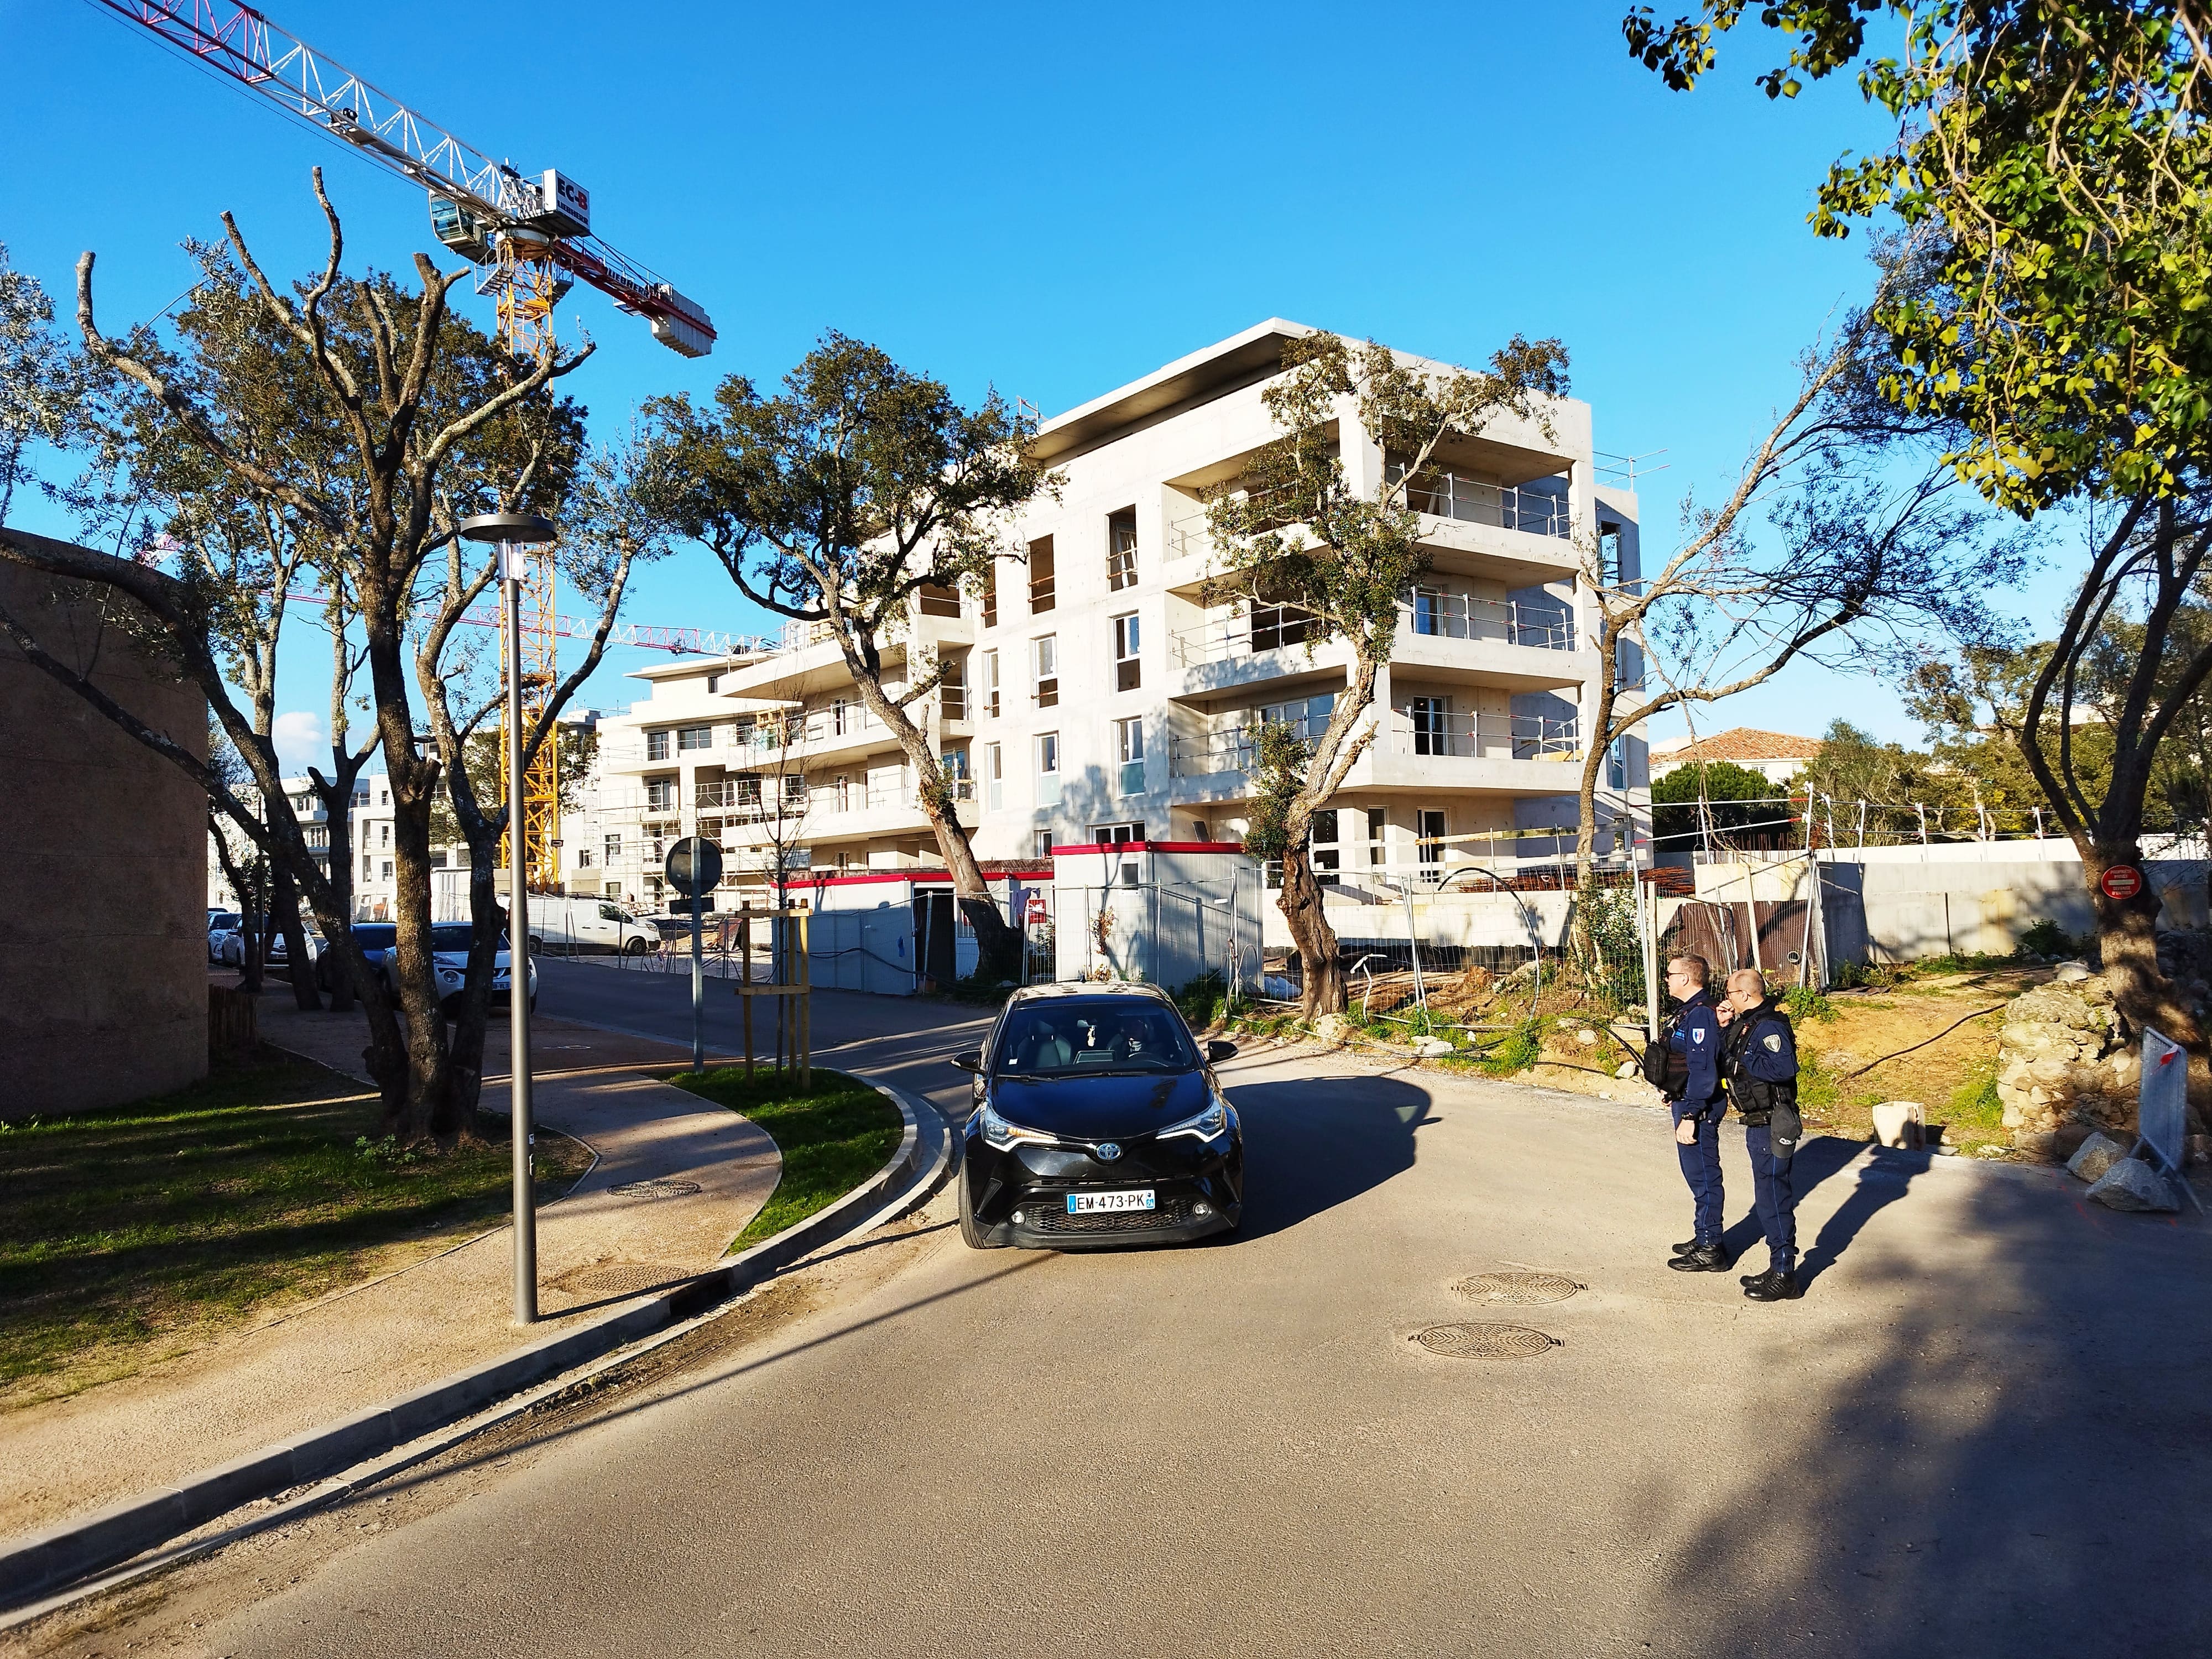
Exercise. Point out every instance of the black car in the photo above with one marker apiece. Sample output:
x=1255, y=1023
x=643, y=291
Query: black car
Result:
x=374, y=937
x=1097, y=1122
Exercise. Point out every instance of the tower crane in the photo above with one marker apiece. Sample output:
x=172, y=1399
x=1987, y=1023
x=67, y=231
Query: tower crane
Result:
x=528, y=236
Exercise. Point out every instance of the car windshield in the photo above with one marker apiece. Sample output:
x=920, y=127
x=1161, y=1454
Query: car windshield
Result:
x=375, y=936
x=451, y=936
x=1064, y=1039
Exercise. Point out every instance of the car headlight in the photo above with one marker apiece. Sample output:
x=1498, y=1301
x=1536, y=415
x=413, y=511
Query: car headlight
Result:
x=1001, y=1135
x=1209, y=1125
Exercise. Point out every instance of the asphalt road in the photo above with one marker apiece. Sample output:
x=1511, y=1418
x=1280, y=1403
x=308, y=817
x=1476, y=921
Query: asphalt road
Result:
x=896, y=1040
x=1983, y=1432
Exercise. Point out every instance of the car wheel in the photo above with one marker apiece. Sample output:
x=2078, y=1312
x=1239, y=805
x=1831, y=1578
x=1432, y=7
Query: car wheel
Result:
x=536, y=944
x=637, y=947
x=971, y=1230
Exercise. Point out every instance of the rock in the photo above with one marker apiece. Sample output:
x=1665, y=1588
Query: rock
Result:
x=2132, y=1184
x=2098, y=1155
x=1897, y=1123
x=1430, y=1046
x=2197, y=1149
x=1330, y=1028
x=2039, y=1144
x=1588, y=1039
x=2070, y=973
x=1629, y=1068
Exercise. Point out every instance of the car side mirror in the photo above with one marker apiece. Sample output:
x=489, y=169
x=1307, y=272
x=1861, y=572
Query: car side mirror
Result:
x=970, y=1061
x=1216, y=1051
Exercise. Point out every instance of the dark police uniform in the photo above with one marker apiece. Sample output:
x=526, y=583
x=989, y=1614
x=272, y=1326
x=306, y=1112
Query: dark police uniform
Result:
x=1696, y=1037
x=1761, y=1061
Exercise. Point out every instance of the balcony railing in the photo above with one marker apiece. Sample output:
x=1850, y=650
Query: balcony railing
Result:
x=1233, y=747
x=1470, y=500
x=1264, y=627
x=1463, y=616
x=1415, y=730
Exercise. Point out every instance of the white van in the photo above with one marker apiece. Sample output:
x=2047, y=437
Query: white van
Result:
x=588, y=923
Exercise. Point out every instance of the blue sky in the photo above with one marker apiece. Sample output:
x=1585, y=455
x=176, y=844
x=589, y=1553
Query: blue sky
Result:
x=1053, y=201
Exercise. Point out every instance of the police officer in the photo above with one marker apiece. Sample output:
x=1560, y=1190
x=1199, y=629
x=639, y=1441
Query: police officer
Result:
x=1759, y=1062
x=1694, y=1039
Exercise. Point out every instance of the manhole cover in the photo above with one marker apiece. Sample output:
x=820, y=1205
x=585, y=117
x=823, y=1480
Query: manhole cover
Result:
x=1524, y=1290
x=1484, y=1342
x=618, y=1279
x=655, y=1189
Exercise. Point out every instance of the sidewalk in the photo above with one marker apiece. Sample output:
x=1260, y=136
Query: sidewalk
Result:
x=599, y=1248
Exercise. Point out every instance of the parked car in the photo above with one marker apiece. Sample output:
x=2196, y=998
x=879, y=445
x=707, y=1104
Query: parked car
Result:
x=280, y=954
x=222, y=925
x=374, y=937
x=449, y=949
x=1097, y=1122
x=229, y=947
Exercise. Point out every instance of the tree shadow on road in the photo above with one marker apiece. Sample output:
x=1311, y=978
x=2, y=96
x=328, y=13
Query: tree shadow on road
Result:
x=1985, y=1439
x=1311, y=1144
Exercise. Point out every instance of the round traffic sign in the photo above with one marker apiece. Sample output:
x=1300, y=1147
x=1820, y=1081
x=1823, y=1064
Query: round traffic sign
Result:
x=694, y=867
x=2121, y=881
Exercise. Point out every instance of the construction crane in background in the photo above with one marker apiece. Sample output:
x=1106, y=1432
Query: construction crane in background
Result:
x=528, y=236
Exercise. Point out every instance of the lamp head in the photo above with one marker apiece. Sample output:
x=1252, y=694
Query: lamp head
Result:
x=520, y=529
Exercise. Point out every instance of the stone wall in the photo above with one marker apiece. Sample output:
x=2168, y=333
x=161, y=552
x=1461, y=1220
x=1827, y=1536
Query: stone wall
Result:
x=2063, y=1066
x=103, y=960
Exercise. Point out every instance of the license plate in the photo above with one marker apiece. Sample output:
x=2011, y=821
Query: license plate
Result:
x=1134, y=1197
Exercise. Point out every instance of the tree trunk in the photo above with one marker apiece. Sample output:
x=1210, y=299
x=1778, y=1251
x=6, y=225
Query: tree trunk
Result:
x=472, y=1024
x=998, y=943
x=284, y=905
x=2127, y=946
x=1300, y=905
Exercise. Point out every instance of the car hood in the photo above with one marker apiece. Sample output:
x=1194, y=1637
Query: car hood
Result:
x=1100, y=1108
x=458, y=961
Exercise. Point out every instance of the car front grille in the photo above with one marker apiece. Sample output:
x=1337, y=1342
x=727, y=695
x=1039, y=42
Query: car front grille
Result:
x=1050, y=1215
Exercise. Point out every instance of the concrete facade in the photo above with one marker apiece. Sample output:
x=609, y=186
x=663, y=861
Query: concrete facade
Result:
x=1095, y=696
x=103, y=988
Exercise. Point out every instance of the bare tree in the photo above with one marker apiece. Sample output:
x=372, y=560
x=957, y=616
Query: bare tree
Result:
x=609, y=520
x=1874, y=547
x=413, y=395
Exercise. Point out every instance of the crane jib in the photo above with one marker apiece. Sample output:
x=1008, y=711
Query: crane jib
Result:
x=484, y=199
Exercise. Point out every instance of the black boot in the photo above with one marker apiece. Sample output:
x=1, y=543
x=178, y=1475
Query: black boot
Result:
x=1773, y=1285
x=1701, y=1259
x=1685, y=1247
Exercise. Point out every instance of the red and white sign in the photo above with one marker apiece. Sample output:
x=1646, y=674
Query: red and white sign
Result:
x=2121, y=881
x=1036, y=917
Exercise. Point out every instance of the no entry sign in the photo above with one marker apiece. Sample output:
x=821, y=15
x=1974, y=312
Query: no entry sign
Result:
x=2121, y=881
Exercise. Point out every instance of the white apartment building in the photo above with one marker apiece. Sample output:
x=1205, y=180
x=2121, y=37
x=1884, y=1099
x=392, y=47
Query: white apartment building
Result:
x=1093, y=695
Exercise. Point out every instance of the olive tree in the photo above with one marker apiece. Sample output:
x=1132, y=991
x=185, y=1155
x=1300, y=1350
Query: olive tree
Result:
x=836, y=502
x=1293, y=531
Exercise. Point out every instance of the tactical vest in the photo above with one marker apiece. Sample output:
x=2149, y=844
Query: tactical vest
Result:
x=1754, y=1099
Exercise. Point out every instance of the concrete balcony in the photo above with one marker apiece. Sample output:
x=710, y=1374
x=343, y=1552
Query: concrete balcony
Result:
x=1416, y=751
x=1455, y=637
x=1268, y=647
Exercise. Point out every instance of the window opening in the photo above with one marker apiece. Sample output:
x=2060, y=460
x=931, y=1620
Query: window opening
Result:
x=1128, y=667
x=1042, y=591
x=1122, y=550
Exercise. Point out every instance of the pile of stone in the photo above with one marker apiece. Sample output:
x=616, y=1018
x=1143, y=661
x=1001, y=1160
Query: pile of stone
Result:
x=2064, y=1069
x=2119, y=1182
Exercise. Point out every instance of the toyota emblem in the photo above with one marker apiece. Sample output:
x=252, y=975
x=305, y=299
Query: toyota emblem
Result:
x=1108, y=1151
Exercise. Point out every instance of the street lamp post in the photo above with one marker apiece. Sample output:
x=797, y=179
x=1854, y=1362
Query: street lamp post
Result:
x=516, y=534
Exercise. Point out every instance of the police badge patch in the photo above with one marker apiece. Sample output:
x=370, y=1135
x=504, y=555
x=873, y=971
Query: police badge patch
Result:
x=1774, y=1043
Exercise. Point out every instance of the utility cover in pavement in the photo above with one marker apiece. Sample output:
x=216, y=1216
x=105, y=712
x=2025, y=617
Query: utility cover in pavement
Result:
x=1484, y=1342
x=1522, y=1289
x=655, y=1189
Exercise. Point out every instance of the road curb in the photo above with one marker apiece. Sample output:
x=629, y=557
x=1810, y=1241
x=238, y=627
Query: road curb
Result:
x=51, y=1560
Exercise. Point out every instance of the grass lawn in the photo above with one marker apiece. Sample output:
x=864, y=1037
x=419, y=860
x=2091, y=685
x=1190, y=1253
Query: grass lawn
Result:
x=832, y=1139
x=137, y=1232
